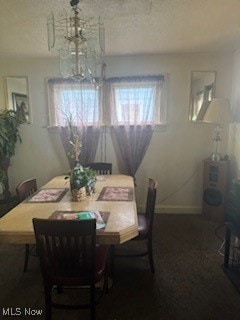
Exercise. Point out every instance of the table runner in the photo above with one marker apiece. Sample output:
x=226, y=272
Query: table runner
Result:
x=48, y=195
x=116, y=194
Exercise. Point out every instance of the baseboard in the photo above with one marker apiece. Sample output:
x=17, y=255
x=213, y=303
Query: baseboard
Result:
x=174, y=209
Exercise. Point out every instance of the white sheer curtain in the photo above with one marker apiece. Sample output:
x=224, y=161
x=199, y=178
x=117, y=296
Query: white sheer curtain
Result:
x=77, y=103
x=135, y=104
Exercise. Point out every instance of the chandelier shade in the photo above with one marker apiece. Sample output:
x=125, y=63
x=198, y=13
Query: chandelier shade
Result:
x=79, y=41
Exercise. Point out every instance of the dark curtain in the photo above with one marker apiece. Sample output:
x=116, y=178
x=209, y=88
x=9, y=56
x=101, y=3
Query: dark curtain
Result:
x=133, y=143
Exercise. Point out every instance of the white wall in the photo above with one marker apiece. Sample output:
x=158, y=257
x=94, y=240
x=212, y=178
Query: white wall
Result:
x=173, y=156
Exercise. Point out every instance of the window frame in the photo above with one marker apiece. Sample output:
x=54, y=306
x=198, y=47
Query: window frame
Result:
x=153, y=79
x=50, y=82
x=104, y=103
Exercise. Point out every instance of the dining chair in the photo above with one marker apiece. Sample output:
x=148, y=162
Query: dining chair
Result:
x=69, y=257
x=102, y=168
x=145, y=228
x=23, y=190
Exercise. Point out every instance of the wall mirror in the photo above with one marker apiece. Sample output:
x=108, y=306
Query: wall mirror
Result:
x=17, y=94
x=202, y=91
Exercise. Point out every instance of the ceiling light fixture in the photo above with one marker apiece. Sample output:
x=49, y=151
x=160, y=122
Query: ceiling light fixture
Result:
x=80, y=43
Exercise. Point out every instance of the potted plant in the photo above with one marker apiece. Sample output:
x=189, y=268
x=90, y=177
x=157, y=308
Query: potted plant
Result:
x=10, y=121
x=92, y=178
x=82, y=181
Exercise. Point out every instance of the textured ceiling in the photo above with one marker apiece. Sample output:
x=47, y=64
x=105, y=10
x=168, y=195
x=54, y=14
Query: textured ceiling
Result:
x=131, y=26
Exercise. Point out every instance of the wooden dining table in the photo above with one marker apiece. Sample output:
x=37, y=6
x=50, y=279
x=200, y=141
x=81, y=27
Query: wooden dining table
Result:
x=114, y=199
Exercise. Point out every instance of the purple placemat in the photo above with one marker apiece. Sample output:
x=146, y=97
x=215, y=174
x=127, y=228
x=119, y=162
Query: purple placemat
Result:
x=116, y=194
x=47, y=195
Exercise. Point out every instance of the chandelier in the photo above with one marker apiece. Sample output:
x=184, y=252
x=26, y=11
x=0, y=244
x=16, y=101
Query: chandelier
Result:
x=79, y=41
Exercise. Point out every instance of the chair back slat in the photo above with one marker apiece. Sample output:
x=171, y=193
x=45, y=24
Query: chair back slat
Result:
x=102, y=168
x=66, y=249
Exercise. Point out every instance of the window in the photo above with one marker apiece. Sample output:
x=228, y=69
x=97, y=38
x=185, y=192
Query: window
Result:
x=136, y=100
x=129, y=100
x=70, y=98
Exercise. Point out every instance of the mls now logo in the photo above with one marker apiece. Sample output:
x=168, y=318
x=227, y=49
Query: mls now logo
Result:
x=16, y=312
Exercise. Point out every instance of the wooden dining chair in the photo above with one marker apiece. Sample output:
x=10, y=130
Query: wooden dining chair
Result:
x=69, y=257
x=23, y=190
x=145, y=228
x=26, y=188
x=102, y=168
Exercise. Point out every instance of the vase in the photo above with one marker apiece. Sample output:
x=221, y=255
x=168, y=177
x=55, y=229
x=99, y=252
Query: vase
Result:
x=79, y=194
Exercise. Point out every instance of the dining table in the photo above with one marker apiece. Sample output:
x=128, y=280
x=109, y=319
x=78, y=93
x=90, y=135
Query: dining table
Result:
x=113, y=199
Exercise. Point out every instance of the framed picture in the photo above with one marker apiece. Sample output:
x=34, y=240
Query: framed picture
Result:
x=20, y=101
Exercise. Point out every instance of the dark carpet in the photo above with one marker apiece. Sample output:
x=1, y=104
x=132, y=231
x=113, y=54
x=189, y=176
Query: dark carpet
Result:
x=188, y=282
